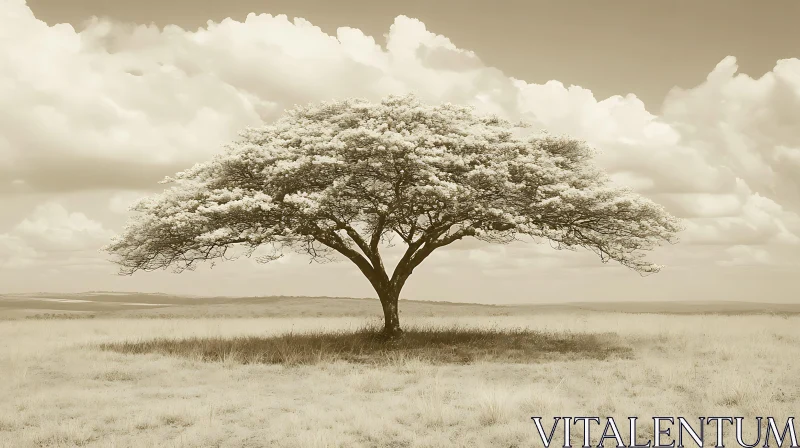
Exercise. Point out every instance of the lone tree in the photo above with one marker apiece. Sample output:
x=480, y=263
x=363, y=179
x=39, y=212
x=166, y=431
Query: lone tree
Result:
x=348, y=176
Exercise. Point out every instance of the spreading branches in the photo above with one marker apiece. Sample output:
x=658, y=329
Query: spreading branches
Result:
x=342, y=178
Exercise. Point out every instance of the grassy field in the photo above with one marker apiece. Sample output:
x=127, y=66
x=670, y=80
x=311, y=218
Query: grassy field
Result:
x=468, y=380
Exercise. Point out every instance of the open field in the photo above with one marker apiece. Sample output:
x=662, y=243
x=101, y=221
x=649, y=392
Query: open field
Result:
x=61, y=388
x=142, y=305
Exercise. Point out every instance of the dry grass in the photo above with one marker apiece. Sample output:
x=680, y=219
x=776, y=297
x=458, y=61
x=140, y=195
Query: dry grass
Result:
x=433, y=345
x=59, y=390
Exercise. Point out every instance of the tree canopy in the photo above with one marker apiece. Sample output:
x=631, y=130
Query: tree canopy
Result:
x=340, y=178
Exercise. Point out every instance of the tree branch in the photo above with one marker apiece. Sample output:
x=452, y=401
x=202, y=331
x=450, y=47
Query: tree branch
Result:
x=374, y=256
x=335, y=242
x=420, y=249
x=377, y=232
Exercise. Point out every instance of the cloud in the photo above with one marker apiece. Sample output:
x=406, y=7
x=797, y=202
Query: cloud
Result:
x=52, y=235
x=748, y=125
x=118, y=106
x=104, y=107
x=52, y=227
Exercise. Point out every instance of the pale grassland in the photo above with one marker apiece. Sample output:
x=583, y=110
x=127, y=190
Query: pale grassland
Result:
x=57, y=390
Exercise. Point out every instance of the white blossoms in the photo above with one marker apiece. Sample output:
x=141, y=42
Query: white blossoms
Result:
x=341, y=175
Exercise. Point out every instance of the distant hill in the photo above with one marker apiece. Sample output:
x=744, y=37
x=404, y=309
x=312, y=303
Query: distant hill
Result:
x=148, y=305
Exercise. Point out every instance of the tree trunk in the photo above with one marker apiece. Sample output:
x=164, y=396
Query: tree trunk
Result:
x=391, y=316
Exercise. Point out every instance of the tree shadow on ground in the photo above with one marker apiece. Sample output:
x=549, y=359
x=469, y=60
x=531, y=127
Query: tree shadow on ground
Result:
x=434, y=345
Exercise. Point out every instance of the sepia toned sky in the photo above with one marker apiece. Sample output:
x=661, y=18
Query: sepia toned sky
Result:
x=695, y=105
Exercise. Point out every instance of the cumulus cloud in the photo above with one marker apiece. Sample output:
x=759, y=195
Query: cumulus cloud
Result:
x=117, y=106
x=747, y=125
x=52, y=227
x=51, y=234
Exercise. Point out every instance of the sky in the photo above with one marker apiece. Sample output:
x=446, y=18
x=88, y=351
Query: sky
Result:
x=694, y=105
